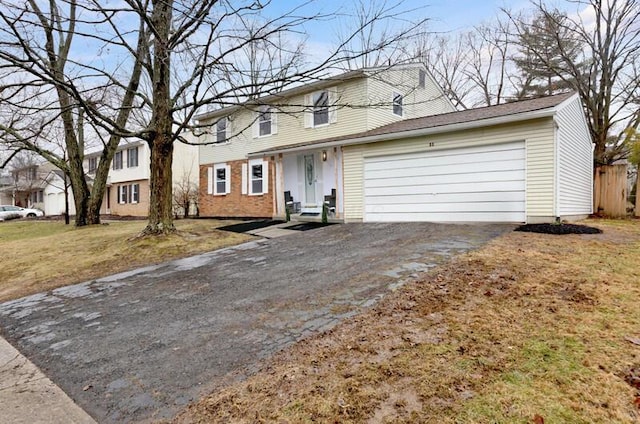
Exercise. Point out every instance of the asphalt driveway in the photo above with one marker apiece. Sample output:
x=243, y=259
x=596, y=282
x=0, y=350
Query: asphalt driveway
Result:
x=139, y=346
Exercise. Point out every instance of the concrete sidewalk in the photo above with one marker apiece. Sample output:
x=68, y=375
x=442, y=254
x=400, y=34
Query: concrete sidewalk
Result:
x=28, y=396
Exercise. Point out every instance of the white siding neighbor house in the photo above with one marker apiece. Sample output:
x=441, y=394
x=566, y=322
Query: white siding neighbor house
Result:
x=127, y=191
x=528, y=161
x=128, y=181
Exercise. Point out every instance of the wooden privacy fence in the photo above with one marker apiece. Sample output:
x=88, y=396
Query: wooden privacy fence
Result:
x=610, y=191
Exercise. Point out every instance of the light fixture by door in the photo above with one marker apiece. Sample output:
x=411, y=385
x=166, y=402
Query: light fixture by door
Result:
x=324, y=155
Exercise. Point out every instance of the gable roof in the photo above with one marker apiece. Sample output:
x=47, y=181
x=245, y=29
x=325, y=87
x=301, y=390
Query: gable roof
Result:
x=470, y=118
x=306, y=88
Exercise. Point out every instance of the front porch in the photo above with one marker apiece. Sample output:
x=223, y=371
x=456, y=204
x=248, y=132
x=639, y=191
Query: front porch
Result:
x=308, y=180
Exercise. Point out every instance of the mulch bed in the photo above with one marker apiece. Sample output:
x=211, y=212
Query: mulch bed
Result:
x=243, y=227
x=558, y=229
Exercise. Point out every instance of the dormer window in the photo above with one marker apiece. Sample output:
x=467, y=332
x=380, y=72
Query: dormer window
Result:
x=221, y=131
x=397, y=104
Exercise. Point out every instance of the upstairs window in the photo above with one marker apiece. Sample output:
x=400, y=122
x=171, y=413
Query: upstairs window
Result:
x=132, y=157
x=422, y=78
x=117, y=160
x=397, y=104
x=265, y=121
x=221, y=131
x=320, y=108
x=93, y=164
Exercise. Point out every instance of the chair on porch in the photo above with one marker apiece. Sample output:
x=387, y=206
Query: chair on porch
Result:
x=330, y=202
x=293, y=207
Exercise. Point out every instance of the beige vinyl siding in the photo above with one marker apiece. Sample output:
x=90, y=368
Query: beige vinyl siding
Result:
x=537, y=134
x=417, y=101
x=351, y=118
x=575, y=153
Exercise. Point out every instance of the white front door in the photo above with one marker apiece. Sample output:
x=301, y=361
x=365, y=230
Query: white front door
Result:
x=310, y=180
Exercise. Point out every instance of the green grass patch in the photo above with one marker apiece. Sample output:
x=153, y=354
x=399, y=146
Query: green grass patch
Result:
x=43, y=255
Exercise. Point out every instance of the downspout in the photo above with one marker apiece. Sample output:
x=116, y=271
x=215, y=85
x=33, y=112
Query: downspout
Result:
x=556, y=170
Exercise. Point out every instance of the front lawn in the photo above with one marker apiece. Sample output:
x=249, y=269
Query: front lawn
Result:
x=532, y=328
x=42, y=255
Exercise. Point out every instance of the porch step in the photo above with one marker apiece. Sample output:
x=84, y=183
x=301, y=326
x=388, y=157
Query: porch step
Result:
x=314, y=218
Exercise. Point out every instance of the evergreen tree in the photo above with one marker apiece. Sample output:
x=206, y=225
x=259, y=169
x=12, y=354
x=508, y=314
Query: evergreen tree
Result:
x=547, y=49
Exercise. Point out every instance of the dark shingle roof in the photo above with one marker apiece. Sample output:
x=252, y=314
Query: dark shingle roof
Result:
x=445, y=119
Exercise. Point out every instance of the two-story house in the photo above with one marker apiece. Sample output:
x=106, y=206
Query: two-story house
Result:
x=385, y=145
x=127, y=192
x=237, y=180
x=26, y=187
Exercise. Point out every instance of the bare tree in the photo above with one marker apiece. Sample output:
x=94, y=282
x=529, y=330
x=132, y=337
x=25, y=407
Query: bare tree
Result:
x=490, y=47
x=447, y=58
x=608, y=85
x=185, y=196
x=164, y=60
x=377, y=33
x=49, y=86
x=473, y=67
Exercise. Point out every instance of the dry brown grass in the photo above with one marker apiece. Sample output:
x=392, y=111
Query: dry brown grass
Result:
x=42, y=255
x=530, y=325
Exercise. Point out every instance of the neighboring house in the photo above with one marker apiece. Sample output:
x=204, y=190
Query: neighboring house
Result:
x=26, y=186
x=54, y=194
x=6, y=192
x=236, y=182
x=127, y=190
x=127, y=193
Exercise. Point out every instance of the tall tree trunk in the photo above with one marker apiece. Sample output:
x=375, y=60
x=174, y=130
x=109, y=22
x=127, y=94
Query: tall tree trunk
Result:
x=80, y=197
x=160, y=210
x=161, y=139
x=637, y=208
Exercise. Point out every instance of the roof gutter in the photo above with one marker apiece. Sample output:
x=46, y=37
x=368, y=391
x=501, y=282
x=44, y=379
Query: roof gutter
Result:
x=543, y=113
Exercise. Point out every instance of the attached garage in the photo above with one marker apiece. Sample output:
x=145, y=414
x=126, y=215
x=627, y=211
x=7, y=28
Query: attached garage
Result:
x=469, y=184
x=528, y=161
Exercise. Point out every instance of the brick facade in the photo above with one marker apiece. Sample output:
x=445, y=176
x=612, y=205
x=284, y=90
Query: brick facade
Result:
x=236, y=204
x=129, y=209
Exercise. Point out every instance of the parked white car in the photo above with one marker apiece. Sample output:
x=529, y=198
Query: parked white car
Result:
x=9, y=211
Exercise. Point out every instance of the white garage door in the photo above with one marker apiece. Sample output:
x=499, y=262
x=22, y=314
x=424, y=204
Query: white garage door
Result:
x=473, y=184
